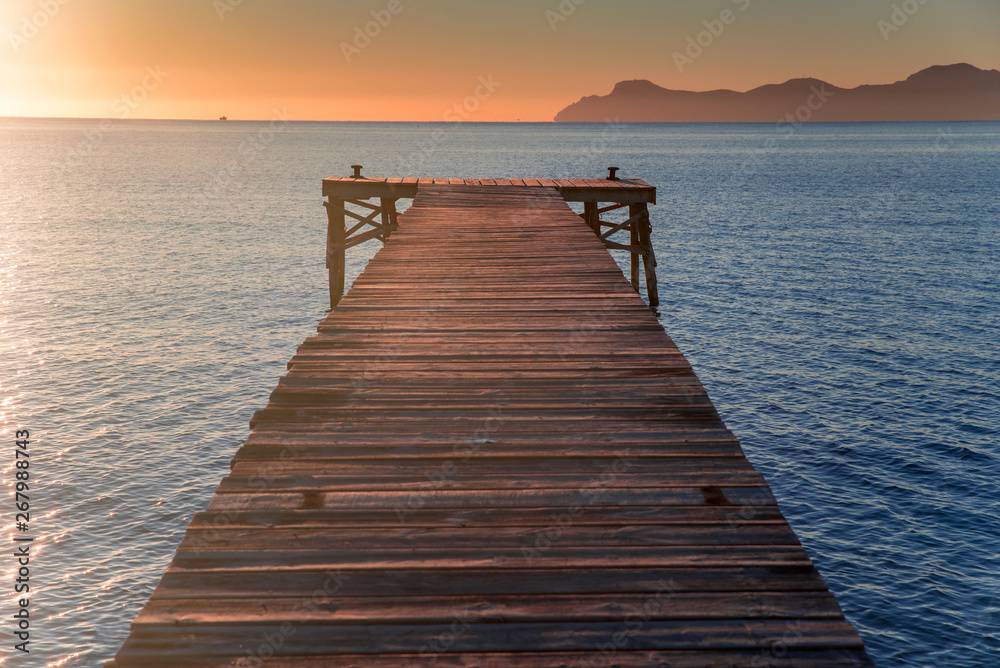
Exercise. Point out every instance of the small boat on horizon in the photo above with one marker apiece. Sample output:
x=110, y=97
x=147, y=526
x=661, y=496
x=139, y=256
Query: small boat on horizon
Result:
x=223, y=118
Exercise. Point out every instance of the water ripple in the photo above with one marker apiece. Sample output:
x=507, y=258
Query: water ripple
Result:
x=839, y=305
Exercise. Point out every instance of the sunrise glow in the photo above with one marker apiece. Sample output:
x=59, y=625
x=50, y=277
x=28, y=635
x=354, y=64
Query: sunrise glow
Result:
x=403, y=60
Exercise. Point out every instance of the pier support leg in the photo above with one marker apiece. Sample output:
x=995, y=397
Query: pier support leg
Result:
x=389, y=224
x=640, y=241
x=335, y=256
x=634, y=209
x=649, y=260
x=592, y=217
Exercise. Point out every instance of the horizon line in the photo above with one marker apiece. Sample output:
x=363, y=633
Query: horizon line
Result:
x=552, y=122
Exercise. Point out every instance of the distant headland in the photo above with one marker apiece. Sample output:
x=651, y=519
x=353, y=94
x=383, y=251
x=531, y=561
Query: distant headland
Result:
x=959, y=92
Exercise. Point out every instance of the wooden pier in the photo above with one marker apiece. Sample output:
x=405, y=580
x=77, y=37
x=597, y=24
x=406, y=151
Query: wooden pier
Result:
x=613, y=192
x=491, y=454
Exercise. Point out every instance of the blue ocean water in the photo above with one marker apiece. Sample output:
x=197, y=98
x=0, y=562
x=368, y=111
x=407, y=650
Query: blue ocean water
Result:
x=835, y=288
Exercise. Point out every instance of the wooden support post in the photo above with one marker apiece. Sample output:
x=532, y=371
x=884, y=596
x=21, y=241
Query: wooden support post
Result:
x=335, y=256
x=592, y=217
x=633, y=210
x=388, y=217
x=649, y=260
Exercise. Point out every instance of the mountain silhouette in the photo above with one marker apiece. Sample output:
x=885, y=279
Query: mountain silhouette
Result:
x=959, y=92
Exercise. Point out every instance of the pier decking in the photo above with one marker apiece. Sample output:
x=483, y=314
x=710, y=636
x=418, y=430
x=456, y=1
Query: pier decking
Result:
x=491, y=454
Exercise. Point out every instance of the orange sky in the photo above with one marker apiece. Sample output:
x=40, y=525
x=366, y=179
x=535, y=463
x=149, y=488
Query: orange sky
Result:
x=497, y=61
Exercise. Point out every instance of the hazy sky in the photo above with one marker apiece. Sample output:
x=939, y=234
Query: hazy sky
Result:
x=497, y=60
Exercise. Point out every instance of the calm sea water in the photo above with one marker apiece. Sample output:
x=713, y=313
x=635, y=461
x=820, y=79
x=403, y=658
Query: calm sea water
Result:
x=835, y=288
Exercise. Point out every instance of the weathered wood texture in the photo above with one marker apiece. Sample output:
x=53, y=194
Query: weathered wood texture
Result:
x=491, y=455
x=635, y=194
x=626, y=191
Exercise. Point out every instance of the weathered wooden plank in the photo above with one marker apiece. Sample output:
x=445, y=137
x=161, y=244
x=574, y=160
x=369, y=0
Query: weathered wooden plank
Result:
x=430, y=609
x=492, y=517
x=488, y=466
x=481, y=635
x=373, y=447
x=370, y=581
x=430, y=497
x=511, y=559
x=500, y=537
x=606, y=654
x=369, y=188
x=621, y=432
x=608, y=194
